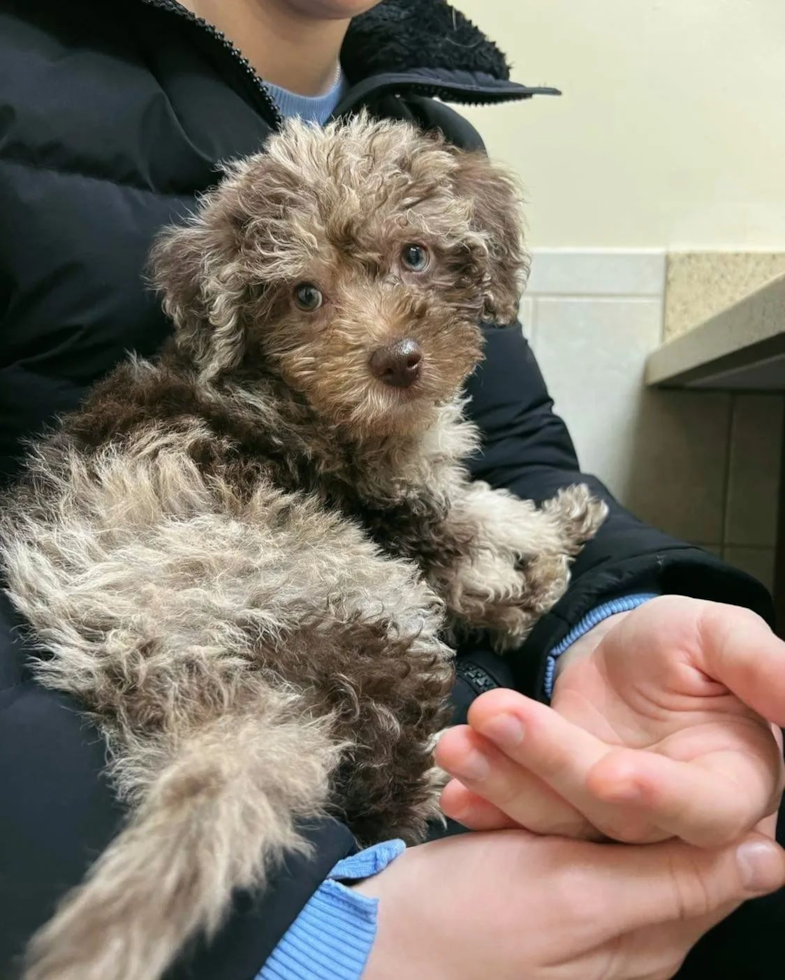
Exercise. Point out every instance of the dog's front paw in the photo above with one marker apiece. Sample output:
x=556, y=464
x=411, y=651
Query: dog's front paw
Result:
x=542, y=582
x=577, y=515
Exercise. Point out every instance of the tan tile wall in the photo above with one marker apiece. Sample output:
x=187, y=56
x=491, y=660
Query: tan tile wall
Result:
x=700, y=284
x=750, y=528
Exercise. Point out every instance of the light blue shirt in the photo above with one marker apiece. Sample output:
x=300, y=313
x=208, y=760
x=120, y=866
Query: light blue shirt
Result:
x=332, y=937
x=312, y=108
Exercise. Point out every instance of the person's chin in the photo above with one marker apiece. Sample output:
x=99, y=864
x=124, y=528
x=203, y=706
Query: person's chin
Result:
x=332, y=9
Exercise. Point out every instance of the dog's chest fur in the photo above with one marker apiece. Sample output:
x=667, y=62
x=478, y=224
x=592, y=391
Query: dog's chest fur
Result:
x=260, y=433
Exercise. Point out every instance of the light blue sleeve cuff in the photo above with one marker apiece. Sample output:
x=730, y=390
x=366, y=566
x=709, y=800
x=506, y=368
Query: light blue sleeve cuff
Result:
x=589, y=621
x=332, y=937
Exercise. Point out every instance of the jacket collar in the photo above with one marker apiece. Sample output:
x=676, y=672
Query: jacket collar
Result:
x=431, y=46
x=424, y=46
x=398, y=36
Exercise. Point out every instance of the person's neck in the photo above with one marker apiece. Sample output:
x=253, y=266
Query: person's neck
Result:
x=286, y=47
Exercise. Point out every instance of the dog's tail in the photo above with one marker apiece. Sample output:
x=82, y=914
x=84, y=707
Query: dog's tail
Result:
x=213, y=820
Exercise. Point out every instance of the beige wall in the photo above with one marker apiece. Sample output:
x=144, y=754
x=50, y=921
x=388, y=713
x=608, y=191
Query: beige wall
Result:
x=671, y=129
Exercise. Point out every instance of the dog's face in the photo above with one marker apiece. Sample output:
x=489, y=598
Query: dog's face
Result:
x=355, y=261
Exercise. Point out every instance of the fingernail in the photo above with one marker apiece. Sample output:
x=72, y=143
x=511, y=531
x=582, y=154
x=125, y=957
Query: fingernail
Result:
x=473, y=766
x=505, y=730
x=761, y=865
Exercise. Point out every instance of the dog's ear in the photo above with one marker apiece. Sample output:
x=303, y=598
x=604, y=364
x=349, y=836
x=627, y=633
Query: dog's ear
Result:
x=198, y=268
x=496, y=217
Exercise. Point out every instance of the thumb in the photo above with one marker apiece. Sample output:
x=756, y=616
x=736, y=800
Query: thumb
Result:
x=657, y=883
x=740, y=650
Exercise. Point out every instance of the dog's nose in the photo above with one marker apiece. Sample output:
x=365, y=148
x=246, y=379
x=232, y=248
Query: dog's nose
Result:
x=397, y=364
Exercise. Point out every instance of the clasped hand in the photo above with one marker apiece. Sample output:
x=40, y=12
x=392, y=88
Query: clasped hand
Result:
x=660, y=727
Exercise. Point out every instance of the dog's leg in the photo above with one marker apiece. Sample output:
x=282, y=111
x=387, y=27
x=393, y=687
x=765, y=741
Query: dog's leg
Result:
x=517, y=564
x=216, y=816
x=576, y=515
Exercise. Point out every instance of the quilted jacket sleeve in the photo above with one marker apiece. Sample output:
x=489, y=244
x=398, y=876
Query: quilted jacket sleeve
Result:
x=527, y=449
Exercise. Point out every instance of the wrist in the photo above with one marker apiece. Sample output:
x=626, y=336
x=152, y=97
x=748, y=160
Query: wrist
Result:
x=400, y=924
x=586, y=629
x=584, y=647
x=334, y=934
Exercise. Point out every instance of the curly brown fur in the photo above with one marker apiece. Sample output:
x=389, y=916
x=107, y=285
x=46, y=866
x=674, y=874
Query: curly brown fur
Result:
x=245, y=557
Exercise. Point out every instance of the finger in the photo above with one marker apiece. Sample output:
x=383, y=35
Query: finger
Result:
x=646, y=885
x=739, y=649
x=660, y=950
x=560, y=754
x=472, y=811
x=489, y=773
x=709, y=803
x=768, y=826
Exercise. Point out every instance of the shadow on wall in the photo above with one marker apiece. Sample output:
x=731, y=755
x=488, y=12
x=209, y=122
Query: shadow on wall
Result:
x=705, y=467
x=676, y=475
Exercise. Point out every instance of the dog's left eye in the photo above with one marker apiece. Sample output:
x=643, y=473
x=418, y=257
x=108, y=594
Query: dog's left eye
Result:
x=308, y=297
x=415, y=257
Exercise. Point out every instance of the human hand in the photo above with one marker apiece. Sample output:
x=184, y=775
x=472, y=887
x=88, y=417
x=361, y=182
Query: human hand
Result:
x=513, y=904
x=659, y=727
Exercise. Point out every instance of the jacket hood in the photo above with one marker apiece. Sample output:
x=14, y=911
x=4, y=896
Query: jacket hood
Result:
x=404, y=35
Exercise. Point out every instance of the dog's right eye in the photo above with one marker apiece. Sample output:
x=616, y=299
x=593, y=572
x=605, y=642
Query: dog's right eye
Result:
x=415, y=257
x=308, y=297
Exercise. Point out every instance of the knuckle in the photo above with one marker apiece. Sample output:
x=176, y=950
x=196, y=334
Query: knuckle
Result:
x=717, y=625
x=502, y=792
x=731, y=830
x=691, y=891
x=733, y=823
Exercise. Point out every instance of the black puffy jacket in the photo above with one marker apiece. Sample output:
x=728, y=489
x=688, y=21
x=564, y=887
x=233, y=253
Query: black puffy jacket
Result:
x=113, y=116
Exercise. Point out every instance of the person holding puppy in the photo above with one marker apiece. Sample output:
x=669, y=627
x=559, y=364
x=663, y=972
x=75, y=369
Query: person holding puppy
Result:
x=114, y=121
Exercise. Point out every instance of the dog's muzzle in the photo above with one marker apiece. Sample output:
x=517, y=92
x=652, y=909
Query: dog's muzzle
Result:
x=397, y=365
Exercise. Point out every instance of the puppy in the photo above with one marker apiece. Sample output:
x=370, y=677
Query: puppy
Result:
x=246, y=558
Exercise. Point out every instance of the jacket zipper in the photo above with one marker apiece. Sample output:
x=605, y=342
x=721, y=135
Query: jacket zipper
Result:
x=271, y=110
